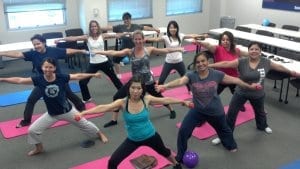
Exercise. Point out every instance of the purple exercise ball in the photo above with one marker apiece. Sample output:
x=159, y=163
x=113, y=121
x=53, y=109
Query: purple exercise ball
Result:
x=190, y=159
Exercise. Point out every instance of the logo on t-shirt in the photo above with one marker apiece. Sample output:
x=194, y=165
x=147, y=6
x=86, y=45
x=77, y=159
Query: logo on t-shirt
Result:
x=204, y=92
x=52, y=90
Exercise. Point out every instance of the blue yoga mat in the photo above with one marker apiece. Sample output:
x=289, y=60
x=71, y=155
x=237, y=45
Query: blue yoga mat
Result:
x=292, y=165
x=21, y=96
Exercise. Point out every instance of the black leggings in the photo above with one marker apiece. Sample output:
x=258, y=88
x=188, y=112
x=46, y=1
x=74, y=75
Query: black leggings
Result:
x=129, y=146
x=179, y=67
x=107, y=68
x=36, y=94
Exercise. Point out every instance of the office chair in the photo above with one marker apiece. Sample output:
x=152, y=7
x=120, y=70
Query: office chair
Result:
x=244, y=29
x=267, y=48
x=290, y=27
x=52, y=35
x=72, y=60
x=243, y=41
x=271, y=24
x=149, y=25
x=296, y=83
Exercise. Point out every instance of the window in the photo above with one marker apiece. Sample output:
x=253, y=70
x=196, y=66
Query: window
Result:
x=176, y=7
x=21, y=14
x=137, y=9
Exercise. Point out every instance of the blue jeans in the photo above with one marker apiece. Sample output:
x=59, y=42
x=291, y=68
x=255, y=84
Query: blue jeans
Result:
x=237, y=101
x=192, y=119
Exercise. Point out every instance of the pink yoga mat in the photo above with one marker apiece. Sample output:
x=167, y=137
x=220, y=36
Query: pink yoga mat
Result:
x=162, y=162
x=9, y=130
x=156, y=73
x=179, y=93
x=206, y=131
x=190, y=47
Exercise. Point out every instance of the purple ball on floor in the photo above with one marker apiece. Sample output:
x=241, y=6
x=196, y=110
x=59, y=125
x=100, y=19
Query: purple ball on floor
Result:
x=190, y=159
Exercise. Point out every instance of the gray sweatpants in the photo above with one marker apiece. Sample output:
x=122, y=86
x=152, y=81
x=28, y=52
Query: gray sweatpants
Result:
x=45, y=121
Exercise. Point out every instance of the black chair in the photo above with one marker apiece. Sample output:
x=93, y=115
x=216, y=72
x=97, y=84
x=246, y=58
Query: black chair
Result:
x=271, y=24
x=149, y=25
x=243, y=41
x=244, y=29
x=267, y=48
x=290, y=27
x=275, y=75
x=296, y=83
x=52, y=35
x=72, y=61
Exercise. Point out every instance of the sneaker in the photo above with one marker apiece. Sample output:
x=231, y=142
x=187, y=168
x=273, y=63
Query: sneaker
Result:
x=81, y=107
x=87, y=101
x=172, y=114
x=268, y=130
x=216, y=141
x=200, y=124
x=177, y=166
x=22, y=123
x=119, y=76
x=243, y=109
x=110, y=123
x=87, y=143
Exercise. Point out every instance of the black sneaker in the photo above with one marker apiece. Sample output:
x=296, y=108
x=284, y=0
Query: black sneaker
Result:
x=243, y=109
x=110, y=123
x=177, y=166
x=172, y=114
x=87, y=143
x=80, y=107
x=23, y=123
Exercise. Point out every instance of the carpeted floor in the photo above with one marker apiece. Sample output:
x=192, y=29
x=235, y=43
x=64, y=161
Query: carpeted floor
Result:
x=257, y=150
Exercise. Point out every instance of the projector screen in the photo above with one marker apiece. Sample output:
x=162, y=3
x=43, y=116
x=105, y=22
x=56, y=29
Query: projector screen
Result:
x=291, y=5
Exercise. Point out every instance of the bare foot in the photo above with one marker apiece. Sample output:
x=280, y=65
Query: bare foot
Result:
x=103, y=138
x=38, y=149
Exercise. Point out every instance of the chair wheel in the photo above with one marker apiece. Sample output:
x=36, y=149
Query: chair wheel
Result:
x=286, y=102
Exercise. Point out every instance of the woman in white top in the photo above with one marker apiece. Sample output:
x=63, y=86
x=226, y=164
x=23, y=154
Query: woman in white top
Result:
x=95, y=41
x=173, y=60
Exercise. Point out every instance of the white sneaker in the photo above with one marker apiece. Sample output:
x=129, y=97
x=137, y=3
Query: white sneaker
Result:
x=216, y=141
x=119, y=76
x=268, y=130
x=122, y=64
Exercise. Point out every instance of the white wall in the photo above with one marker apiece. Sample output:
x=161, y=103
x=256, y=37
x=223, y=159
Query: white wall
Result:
x=251, y=11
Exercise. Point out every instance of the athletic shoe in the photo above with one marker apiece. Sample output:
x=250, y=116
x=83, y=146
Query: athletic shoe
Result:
x=88, y=101
x=110, y=123
x=268, y=130
x=216, y=141
x=23, y=123
x=172, y=114
x=177, y=166
x=243, y=109
x=119, y=76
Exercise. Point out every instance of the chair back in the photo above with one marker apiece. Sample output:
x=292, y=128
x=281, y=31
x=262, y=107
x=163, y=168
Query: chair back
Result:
x=290, y=27
x=265, y=33
x=244, y=29
x=75, y=32
x=52, y=35
x=272, y=24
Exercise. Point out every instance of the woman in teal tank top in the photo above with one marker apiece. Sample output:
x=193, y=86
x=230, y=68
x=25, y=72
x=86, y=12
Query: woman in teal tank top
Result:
x=140, y=130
